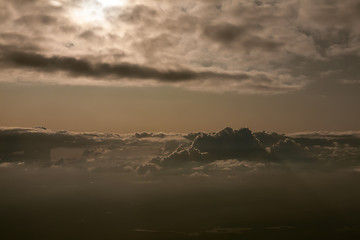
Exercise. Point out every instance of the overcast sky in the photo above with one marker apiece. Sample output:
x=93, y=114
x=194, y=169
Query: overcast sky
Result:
x=180, y=66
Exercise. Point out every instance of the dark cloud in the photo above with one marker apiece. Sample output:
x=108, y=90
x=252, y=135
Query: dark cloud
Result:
x=35, y=145
x=269, y=139
x=99, y=181
x=289, y=150
x=136, y=14
x=42, y=19
x=243, y=150
x=205, y=153
x=82, y=67
x=225, y=33
x=226, y=144
x=229, y=143
x=147, y=135
x=182, y=156
x=231, y=36
x=260, y=46
x=89, y=35
x=98, y=151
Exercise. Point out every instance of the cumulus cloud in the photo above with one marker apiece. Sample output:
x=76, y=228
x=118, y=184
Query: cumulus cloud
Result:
x=288, y=149
x=96, y=151
x=260, y=183
x=224, y=152
x=241, y=150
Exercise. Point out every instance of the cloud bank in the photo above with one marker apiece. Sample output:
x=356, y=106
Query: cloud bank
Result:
x=157, y=153
x=229, y=184
x=256, y=47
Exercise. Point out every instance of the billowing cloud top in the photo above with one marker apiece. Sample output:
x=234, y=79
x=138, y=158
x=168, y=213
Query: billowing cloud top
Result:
x=153, y=153
x=241, y=46
x=164, y=186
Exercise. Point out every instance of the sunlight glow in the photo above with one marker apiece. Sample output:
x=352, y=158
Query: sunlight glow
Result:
x=91, y=11
x=109, y=3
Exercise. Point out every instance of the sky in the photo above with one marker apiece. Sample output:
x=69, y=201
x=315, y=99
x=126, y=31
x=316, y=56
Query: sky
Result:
x=180, y=66
x=192, y=119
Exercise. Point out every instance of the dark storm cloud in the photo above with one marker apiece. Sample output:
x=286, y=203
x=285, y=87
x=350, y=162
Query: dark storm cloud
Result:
x=83, y=67
x=229, y=143
x=269, y=139
x=239, y=144
x=226, y=144
x=289, y=150
x=243, y=150
x=151, y=154
x=98, y=181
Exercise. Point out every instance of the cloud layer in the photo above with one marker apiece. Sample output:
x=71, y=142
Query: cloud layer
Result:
x=196, y=153
x=229, y=184
x=245, y=46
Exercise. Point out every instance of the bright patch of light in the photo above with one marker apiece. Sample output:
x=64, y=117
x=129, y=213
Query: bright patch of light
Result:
x=55, y=3
x=92, y=11
x=109, y=3
x=88, y=12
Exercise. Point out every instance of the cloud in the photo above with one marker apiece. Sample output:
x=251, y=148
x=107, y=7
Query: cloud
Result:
x=41, y=19
x=82, y=67
x=150, y=154
x=38, y=144
x=230, y=165
x=218, y=47
x=233, y=36
x=146, y=135
x=135, y=14
x=241, y=150
x=289, y=150
x=94, y=178
x=269, y=139
x=229, y=143
x=206, y=153
x=78, y=67
x=226, y=144
x=95, y=151
x=252, y=47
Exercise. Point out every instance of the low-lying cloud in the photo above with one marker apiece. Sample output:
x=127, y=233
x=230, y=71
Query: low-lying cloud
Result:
x=158, y=186
x=153, y=153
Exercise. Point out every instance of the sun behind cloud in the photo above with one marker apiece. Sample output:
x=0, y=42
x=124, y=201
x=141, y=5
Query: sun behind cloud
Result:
x=109, y=3
x=92, y=11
